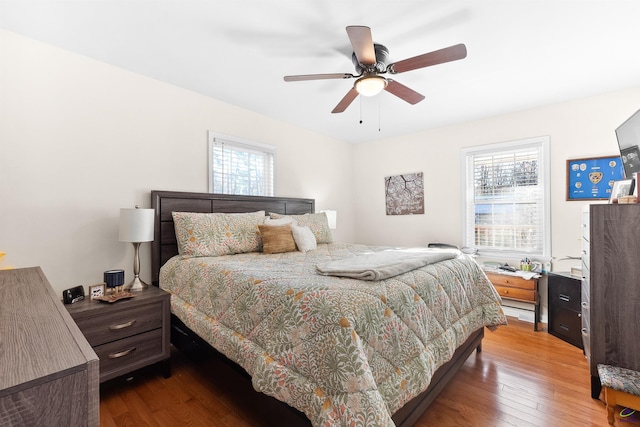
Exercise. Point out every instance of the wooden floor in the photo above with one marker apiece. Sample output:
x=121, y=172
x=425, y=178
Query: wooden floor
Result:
x=521, y=378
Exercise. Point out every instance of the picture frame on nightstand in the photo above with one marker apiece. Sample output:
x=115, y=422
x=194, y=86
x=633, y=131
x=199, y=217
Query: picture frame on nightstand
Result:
x=96, y=291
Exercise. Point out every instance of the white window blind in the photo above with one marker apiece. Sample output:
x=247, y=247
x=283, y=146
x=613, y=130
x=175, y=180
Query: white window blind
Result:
x=506, y=198
x=240, y=167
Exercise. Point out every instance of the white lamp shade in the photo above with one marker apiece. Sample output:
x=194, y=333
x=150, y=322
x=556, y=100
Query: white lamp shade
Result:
x=332, y=218
x=136, y=225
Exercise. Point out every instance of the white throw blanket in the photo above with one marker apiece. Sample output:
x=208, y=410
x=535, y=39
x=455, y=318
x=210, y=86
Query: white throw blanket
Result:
x=385, y=264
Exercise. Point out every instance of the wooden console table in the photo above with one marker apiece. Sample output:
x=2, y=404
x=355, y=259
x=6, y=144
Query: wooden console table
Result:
x=48, y=371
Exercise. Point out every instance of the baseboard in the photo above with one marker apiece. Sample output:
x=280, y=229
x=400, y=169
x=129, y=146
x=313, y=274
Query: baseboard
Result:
x=521, y=314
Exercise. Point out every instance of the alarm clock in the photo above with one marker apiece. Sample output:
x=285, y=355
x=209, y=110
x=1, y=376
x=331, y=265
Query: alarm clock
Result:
x=71, y=295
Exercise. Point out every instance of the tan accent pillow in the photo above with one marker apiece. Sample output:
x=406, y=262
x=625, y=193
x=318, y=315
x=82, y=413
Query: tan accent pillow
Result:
x=277, y=239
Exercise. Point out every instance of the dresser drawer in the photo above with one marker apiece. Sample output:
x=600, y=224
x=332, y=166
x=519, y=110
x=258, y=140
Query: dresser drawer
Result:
x=125, y=355
x=586, y=344
x=586, y=320
x=586, y=261
x=585, y=291
x=511, y=281
x=121, y=323
x=516, y=293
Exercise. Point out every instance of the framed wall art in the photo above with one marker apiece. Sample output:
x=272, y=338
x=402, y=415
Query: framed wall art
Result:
x=592, y=178
x=404, y=194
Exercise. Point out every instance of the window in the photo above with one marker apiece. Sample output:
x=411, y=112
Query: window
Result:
x=506, y=198
x=240, y=167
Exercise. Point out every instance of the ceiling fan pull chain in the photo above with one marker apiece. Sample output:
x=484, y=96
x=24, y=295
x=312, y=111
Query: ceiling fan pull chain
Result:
x=360, y=108
x=379, y=115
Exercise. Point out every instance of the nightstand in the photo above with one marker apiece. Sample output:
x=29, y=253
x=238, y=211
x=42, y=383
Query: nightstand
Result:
x=518, y=289
x=127, y=334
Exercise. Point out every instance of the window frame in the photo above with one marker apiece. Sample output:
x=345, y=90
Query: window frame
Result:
x=541, y=143
x=239, y=143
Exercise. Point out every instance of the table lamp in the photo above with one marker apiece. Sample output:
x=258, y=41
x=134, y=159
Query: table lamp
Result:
x=136, y=226
x=332, y=217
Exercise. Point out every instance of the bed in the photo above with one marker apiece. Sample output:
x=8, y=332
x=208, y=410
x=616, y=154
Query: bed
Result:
x=343, y=351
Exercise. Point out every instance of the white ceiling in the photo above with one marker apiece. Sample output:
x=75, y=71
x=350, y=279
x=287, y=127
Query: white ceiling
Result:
x=521, y=54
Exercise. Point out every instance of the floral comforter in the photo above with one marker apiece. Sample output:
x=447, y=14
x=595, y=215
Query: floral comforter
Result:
x=343, y=351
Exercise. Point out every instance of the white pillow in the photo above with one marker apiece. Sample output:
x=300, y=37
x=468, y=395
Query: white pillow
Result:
x=318, y=223
x=304, y=238
x=279, y=221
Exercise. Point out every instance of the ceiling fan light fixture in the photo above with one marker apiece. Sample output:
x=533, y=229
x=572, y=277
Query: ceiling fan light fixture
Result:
x=370, y=85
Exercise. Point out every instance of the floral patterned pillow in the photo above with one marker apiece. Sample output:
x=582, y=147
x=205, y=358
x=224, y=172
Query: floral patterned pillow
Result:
x=215, y=234
x=318, y=224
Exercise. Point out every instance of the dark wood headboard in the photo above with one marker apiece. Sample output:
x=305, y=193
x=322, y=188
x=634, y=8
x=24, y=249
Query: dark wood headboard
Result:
x=164, y=244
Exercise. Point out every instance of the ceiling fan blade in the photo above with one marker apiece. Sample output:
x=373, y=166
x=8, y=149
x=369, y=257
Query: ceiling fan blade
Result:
x=318, y=77
x=362, y=43
x=346, y=101
x=451, y=53
x=403, y=92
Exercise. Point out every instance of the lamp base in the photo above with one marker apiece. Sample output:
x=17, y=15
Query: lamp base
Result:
x=136, y=285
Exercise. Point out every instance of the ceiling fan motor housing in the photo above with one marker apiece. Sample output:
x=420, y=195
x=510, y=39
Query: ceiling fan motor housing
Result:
x=382, y=59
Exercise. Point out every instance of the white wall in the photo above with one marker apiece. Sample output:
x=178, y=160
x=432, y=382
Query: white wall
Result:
x=80, y=139
x=577, y=129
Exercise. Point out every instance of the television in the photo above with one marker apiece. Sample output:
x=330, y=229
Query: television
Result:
x=628, y=134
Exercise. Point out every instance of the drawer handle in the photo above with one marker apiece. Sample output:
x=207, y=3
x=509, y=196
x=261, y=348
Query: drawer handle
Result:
x=122, y=353
x=564, y=298
x=122, y=325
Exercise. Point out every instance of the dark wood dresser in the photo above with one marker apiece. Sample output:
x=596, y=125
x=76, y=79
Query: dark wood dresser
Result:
x=128, y=334
x=48, y=371
x=612, y=301
x=565, y=316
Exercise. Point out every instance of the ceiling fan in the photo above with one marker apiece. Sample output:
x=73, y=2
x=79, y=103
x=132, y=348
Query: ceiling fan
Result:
x=370, y=60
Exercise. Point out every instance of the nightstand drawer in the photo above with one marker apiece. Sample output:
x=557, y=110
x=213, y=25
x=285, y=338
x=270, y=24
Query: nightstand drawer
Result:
x=512, y=282
x=121, y=323
x=130, y=353
x=516, y=293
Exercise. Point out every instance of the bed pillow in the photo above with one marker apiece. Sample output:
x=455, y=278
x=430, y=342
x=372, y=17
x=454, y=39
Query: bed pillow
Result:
x=277, y=239
x=318, y=224
x=216, y=234
x=304, y=238
x=279, y=221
